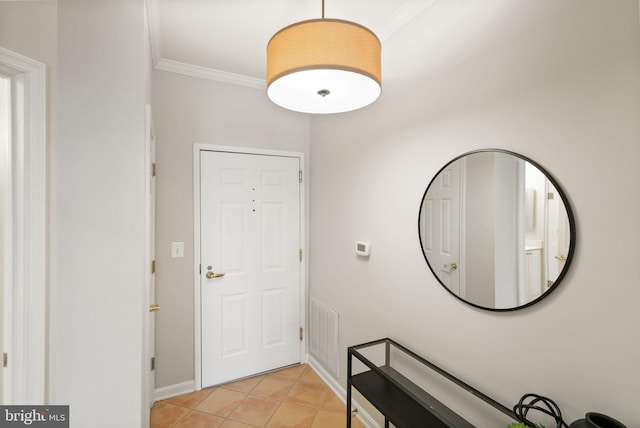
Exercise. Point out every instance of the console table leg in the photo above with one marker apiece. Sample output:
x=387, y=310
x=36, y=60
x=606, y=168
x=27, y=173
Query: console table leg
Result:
x=349, y=415
x=386, y=422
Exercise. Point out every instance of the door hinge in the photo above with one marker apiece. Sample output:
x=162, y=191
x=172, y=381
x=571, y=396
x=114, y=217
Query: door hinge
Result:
x=153, y=363
x=5, y=359
x=550, y=195
x=153, y=266
x=301, y=334
x=300, y=176
x=153, y=169
x=200, y=269
x=300, y=255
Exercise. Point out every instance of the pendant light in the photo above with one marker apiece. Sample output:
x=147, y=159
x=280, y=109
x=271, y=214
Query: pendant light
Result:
x=323, y=66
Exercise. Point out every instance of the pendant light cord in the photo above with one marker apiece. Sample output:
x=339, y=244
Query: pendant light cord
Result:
x=322, y=9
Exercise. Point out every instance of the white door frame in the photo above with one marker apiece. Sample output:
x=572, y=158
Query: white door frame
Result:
x=149, y=201
x=26, y=339
x=197, y=148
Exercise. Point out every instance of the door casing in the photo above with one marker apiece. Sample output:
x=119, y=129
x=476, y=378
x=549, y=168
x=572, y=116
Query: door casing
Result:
x=196, y=246
x=25, y=327
x=149, y=202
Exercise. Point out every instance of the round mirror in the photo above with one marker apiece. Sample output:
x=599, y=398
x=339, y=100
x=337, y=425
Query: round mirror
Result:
x=496, y=230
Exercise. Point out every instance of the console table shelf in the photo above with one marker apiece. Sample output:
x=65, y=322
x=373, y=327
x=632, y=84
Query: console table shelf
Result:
x=400, y=400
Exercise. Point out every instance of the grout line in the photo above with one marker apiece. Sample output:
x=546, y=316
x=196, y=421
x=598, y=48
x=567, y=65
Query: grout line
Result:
x=297, y=381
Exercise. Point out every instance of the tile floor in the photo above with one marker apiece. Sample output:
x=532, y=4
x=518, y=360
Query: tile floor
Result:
x=294, y=397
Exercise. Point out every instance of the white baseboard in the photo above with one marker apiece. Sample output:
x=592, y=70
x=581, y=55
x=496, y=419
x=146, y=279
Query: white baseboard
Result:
x=335, y=386
x=174, y=390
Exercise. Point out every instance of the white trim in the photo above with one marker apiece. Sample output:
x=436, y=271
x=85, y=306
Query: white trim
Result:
x=197, y=320
x=210, y=74
x=463, y=228
x=332, y=383
x=401, y=17
x=29, y=276
x=197, y=148
x=174, y=390
x=155, y=37
x=148, y=391
x=409, y=10
x=6, y=233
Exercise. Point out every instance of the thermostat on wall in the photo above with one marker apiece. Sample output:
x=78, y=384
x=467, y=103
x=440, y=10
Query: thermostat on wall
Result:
x=363, y=248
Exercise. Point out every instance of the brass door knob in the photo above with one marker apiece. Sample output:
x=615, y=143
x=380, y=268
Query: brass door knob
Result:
x=154, y=308
x=452, y=266
x=561, y=257
x=210, y=275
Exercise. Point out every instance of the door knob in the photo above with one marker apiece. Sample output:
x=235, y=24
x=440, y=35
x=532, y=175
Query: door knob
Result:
x=561, y=257
x=210, y=275
x=154, y=308
x=451, y=267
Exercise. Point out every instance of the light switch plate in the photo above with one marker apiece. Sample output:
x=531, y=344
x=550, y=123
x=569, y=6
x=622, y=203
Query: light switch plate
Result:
x=177, y=249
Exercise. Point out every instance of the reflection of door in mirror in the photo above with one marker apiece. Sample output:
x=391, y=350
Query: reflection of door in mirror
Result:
x=557, y=235
x=440, y=228
x=493, y=238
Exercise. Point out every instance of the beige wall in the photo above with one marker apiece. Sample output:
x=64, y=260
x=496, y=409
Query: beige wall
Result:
x=97, y=215
x=190, y=111
x=95, y=144
x=30, y=28
x=558, y=82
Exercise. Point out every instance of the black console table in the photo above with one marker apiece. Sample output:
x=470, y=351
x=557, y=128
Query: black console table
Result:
x=400, y=400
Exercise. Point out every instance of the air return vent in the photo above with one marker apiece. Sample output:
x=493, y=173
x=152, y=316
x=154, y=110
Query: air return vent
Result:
x=324, y=336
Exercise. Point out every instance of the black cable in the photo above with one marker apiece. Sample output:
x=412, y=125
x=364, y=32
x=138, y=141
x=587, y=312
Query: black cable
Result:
x=551, y=408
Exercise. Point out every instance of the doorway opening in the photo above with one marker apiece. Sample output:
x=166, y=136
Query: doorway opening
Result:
x=23, y=228
x=5, y=224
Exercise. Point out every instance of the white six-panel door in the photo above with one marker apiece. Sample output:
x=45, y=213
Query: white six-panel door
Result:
x=558, y=238
x=440, y=227
x=250, y=280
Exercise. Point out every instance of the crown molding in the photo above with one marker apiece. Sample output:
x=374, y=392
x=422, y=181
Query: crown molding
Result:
x=153, y=24
x=210, y=74
x=401, y=17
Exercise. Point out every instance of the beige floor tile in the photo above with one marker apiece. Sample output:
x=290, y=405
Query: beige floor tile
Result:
x=165, y=415
x=190, y=400
x=234, y=424
x=221, y=402
x=244, y=385
x=294, y=397
x=255, y=411
x=307, y=394
x=197, y=419
x=332, y=403
x=292, y=416
x=293, y=372
x=309, y=375
x=274, y=387
x=326, y=419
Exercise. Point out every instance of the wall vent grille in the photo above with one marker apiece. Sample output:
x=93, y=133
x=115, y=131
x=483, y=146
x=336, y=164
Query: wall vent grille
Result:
x=324, y=343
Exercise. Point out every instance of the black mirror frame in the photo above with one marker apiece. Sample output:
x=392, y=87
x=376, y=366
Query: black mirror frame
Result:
x=570, y=216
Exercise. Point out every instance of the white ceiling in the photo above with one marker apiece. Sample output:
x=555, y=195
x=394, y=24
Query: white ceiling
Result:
x=226, y=40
